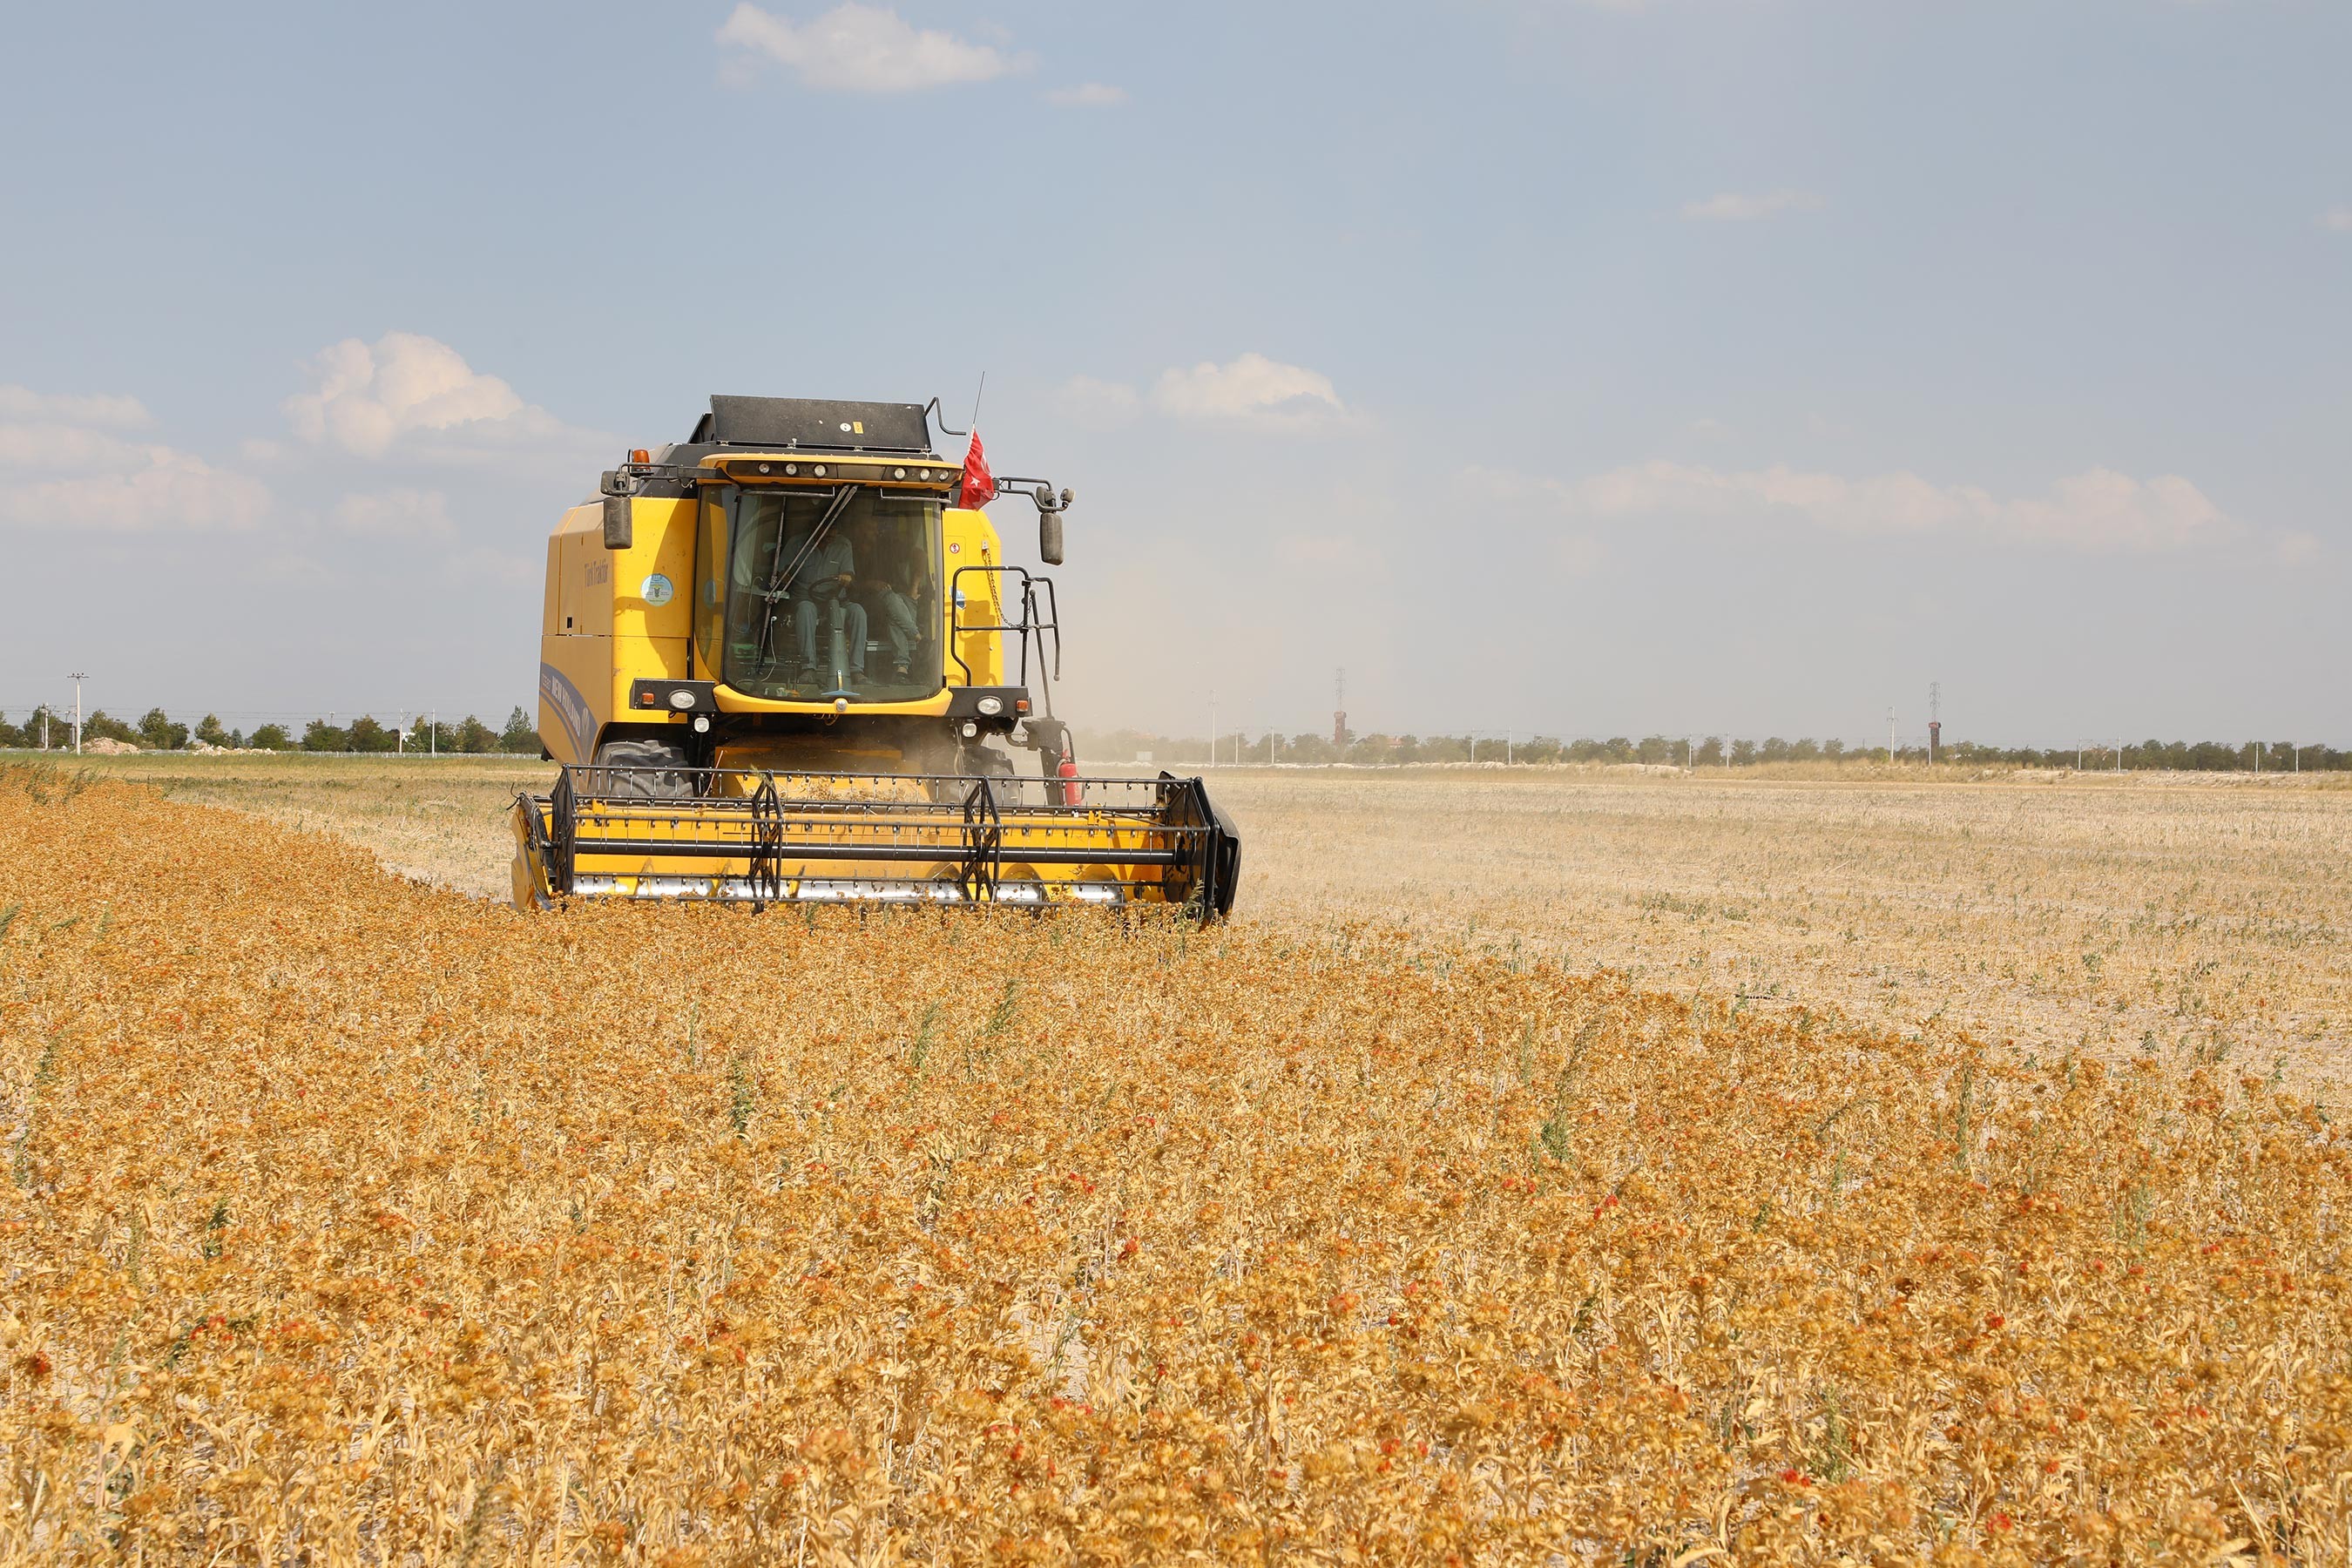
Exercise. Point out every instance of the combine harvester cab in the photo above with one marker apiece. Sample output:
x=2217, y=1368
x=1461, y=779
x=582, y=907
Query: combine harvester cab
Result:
x=785, y=661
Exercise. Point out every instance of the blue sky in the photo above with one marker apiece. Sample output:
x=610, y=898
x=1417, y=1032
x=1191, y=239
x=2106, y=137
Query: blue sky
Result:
x=1715, y=366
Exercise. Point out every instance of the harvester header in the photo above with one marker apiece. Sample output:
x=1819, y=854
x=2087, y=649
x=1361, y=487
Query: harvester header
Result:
x=784, y=660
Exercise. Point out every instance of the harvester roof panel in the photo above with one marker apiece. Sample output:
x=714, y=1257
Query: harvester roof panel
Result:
x=820, y=423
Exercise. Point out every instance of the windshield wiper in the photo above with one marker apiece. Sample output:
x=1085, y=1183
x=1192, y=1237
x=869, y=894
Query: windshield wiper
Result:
x=778, y=578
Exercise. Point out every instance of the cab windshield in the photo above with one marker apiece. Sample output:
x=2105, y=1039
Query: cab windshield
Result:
x=826, y=594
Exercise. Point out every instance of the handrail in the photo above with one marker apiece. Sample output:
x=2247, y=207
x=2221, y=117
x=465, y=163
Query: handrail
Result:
x=1029, y=624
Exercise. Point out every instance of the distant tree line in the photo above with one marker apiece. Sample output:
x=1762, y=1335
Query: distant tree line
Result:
x=1710, y=752
x=157, y=731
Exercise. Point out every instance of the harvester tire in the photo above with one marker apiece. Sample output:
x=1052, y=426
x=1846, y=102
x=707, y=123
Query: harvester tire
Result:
x=985, y=762
x=648, y=770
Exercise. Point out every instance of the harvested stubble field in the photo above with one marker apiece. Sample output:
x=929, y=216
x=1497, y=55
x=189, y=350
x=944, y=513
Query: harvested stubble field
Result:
x=351, y=1220
x=2196, y=918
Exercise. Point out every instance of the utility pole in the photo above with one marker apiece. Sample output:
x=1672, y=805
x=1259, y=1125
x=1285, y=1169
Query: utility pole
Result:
x=77, y=678
x=1890, y=737
x=1213, y=726
x=432, y=735
x=1339, y=709
x=1507, y=753
x=1935, y=719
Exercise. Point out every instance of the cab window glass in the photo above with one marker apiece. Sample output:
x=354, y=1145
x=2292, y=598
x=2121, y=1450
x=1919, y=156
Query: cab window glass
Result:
x=827, y=597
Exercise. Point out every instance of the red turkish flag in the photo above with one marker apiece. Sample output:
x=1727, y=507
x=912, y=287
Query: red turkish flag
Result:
x=978, y=484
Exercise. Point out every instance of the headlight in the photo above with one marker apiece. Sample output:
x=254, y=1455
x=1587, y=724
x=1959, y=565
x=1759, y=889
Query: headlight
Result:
x=990, y=705
x=969, y=729
x=681, y=699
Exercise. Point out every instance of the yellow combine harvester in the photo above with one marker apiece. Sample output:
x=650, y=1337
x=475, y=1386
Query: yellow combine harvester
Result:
x=781, y=661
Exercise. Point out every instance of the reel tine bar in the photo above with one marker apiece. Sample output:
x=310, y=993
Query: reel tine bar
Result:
x=563, y=814
x=766, y=869
x=984, y=827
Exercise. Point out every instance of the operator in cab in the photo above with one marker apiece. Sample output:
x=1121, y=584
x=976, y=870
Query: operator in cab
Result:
x=823, y=607
x=889, y=588
x=781, y=559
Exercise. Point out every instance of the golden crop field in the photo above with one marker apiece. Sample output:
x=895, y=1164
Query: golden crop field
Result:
x=351, y=1219
x=2205, y=919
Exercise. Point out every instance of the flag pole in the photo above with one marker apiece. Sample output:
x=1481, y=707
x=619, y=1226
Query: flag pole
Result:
x=972, y=453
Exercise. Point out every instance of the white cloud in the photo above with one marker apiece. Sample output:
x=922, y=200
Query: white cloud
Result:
x=1095, y=405
x=50, y=444
x=396, y=514
x=1088, y=95
x=856, y=48
x=419, y=395
x=2336, y=220
x=170, y=490
x=70, y=467
x=1732, y=207
x=1252, y=388
x=103, y=409
x=2098, y=511
x=1579, y=555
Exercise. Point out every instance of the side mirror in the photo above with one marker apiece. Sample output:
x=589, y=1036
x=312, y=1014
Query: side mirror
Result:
x=1049, y=537
x=618, y=533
